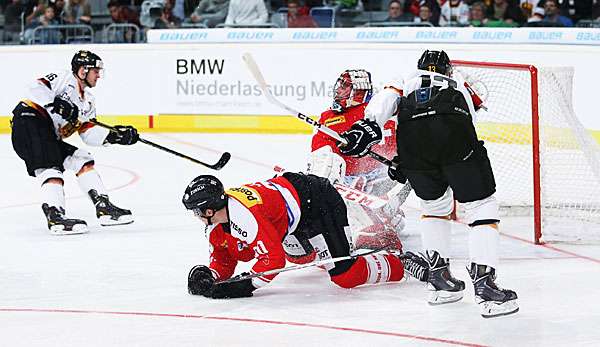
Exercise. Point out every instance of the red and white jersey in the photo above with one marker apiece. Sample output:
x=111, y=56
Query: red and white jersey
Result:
x=340, y=122
x=260, y=216
x=40, y=95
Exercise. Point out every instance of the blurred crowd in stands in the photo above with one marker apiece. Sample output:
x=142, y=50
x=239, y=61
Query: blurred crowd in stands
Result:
x=70, y=21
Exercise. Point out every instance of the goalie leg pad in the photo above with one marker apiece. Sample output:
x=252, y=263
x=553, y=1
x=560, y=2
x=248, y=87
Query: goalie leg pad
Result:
x=324, y=163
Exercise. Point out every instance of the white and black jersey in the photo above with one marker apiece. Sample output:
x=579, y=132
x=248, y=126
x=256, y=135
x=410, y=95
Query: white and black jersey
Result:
x=41, y=94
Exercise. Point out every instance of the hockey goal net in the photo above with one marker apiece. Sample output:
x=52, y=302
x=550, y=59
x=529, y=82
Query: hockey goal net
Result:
x=546, y=164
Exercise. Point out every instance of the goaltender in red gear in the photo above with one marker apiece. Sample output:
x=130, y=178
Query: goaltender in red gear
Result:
x=250, y=222
x=370, y=228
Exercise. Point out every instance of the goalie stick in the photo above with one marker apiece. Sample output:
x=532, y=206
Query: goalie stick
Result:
x=255, y=71
x=216, y=166
x=297, y=267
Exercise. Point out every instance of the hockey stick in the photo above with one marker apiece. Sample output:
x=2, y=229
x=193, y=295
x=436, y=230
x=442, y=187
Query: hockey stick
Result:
x=255, y=71
x=298, y=267
x=216, y=166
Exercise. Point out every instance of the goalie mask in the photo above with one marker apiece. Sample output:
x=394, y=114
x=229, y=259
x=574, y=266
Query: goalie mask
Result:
x=352, y=88
x=435, y=61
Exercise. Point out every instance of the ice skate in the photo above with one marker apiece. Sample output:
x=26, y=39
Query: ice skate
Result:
x=493, y=301
x=443, y=288
x=107, y=213
x=415, y=266
x=59, y=225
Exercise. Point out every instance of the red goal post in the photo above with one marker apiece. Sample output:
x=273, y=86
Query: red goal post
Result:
x=535, y=142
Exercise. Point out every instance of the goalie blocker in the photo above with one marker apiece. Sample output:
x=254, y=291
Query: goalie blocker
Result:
x=250, y=222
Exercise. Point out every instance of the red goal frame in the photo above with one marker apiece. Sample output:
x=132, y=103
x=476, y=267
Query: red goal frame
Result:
x=535, y=132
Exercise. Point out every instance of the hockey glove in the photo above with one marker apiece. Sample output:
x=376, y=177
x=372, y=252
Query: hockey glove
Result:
x=200, y=281
x=123, y=135
x=230, y=290
x=360, y=138
x=66, y=109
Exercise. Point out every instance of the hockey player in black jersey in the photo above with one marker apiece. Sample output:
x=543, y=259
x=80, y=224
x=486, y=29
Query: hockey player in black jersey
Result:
x=56, y=106
x=440, y=155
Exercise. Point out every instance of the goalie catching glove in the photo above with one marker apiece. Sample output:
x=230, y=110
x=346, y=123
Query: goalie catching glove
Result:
x=66, y=109
x=122, y=135
x=363, y=135
x=201, y=281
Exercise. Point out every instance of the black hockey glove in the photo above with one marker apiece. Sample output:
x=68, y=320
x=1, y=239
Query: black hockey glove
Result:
x=360, y=138
x=395, y=173
x=200, y=281
x=123, y=135
x=230, y=290
x=66, y=109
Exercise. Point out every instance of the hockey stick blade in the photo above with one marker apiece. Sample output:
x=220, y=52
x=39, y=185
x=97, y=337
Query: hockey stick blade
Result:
x=299, y=266
x=216, y=166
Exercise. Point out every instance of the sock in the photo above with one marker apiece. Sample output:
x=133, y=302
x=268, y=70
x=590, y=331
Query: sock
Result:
x=53, y=194
x=435, y=235
x=371, y=269
x=91, y=180
x=483, y=245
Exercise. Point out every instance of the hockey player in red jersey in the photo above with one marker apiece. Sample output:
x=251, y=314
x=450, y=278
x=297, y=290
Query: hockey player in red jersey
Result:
x=57, y=106
x=254, y=220
x=352, y=91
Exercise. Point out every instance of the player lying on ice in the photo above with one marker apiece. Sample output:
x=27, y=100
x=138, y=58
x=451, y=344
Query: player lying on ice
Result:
x=254, y=220
x=370, y=228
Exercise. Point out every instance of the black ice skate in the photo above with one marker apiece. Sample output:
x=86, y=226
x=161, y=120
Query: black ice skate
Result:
x=59, y=225
x=493, y=301
x=443, y=288
x=415, y=266
x=107, y=213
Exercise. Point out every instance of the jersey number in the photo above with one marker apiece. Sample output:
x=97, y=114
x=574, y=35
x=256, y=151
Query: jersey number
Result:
x=50, y=76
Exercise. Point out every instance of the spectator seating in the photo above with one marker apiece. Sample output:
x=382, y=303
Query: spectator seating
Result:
x=323, y=16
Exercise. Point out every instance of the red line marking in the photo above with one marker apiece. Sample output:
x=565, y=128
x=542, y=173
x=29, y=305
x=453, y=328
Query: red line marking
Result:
x=248, y=320
x=150, y=121
x=134, y=178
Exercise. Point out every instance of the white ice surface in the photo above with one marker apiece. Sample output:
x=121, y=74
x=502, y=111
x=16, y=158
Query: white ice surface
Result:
x=126, y=285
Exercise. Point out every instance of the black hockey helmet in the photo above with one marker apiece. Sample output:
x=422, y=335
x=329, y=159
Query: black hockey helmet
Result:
x=86, y=59
x=204, y=192
x=435, y=61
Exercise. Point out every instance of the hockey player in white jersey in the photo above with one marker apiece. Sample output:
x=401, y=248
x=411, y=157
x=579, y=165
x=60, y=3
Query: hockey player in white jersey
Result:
x=55, y=107
x=440, y=155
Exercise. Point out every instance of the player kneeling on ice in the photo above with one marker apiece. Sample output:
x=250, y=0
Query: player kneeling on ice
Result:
x=56, y=106
x=442, y=158
x=370, y=227
x=252, y=222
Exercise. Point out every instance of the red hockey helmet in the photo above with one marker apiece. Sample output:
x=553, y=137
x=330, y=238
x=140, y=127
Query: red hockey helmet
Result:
x=353, y=87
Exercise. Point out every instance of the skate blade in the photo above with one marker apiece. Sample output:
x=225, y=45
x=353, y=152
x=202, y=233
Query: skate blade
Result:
x=108, y=221
x=491, y=309
x=441, y=297
x=77, y=229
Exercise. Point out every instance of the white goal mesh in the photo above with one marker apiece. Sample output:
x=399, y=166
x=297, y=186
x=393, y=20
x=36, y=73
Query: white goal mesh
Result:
x=568, y=182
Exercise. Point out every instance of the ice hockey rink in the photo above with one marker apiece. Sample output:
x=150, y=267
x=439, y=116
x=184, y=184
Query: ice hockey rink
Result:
x=126, y=285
